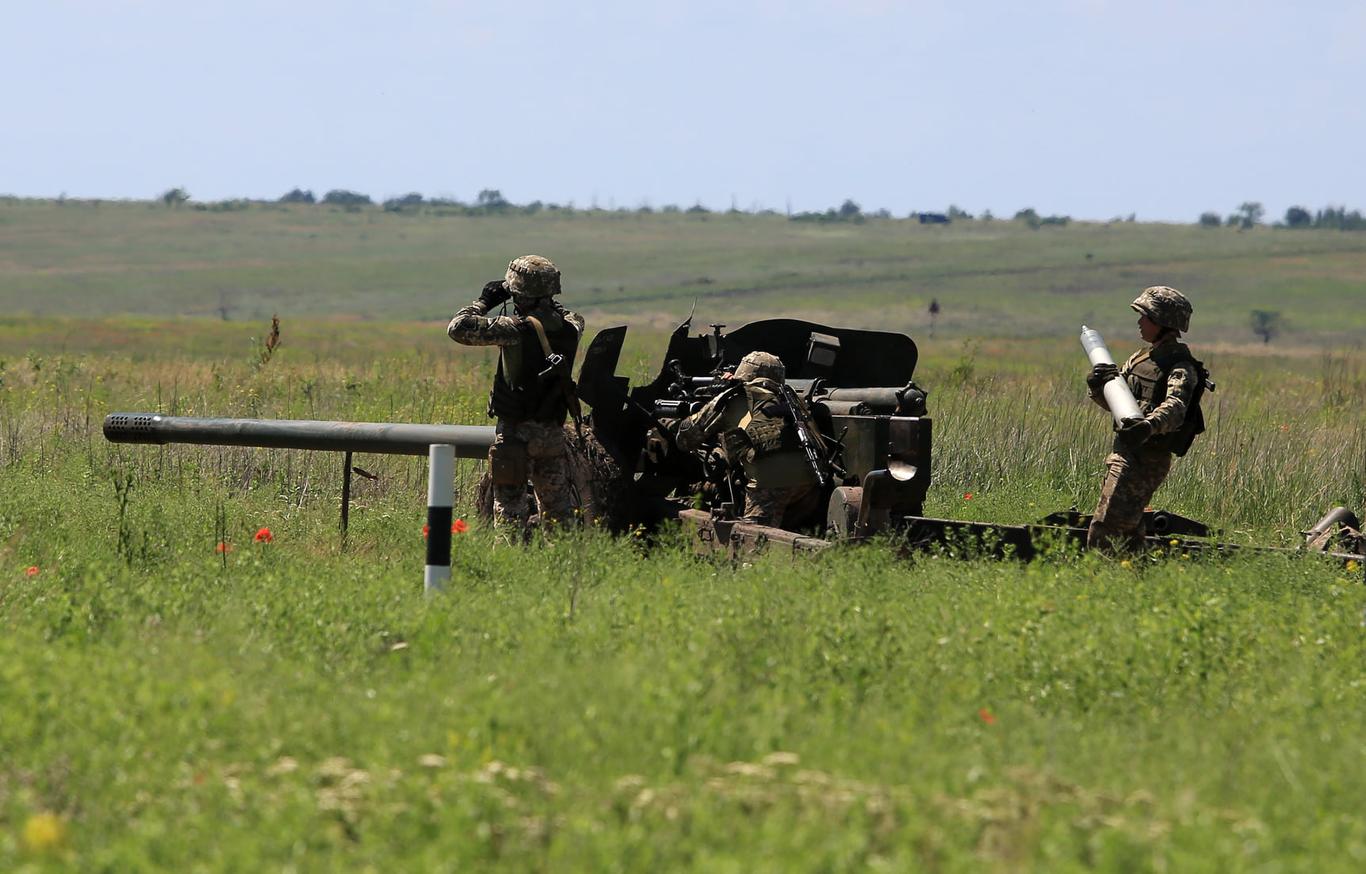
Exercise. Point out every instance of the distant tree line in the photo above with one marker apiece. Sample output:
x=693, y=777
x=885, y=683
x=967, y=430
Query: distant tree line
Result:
x=849, y=211
x=1332, y=217
x=1250, y=214
x=490, y=201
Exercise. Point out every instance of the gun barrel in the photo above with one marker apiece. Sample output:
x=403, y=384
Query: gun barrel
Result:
x=470, y=441
x=882, y=400
x=848, y=408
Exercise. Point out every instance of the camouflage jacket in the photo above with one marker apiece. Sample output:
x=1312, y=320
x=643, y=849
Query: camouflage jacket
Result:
x=732, y=410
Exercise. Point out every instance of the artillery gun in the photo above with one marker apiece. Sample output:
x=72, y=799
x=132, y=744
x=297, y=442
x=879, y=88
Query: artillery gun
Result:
x=874, y=432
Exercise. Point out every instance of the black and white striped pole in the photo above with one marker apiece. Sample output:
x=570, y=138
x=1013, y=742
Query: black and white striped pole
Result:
x=440, y=498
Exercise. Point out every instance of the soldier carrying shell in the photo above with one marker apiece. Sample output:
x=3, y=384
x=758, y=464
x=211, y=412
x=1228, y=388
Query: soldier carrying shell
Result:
x=1168, y=383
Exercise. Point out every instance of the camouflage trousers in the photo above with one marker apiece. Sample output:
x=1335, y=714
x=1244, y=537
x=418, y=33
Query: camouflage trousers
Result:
x=1131, y=478
x=548, y=468
x=773, y=507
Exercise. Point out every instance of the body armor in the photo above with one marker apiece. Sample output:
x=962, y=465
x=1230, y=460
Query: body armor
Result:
x=1146, y=373
x=768, y=430
x=520, y=391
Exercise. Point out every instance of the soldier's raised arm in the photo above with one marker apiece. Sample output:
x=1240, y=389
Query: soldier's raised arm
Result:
x=472, y=327
x=703, y=424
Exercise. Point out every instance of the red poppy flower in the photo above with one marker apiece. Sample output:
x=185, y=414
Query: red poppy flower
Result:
x=968, y=496
x=263, y=535
x=459, y=526
x=426, y=529
x=31, y=570
x=985, y=715
x=223, y=547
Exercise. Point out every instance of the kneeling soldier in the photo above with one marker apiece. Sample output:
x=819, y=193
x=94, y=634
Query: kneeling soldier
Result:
x=533, y=389
x=758, y=433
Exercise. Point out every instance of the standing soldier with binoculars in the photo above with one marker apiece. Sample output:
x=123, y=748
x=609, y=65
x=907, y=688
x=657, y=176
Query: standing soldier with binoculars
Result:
x=533, y=389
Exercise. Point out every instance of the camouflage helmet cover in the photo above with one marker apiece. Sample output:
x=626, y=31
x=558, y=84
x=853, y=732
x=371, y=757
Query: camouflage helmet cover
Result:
x=533, y=276
x=1165, y=306
x=760, y=365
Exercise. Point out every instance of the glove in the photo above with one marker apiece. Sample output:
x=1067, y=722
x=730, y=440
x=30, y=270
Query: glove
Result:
x=494, y=294
x=1135, y=432
x=1099, y=375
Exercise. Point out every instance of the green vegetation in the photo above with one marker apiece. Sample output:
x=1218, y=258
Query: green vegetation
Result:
x=1336, y=218
x=590, y=703
x=997, y=278
x=585, y=706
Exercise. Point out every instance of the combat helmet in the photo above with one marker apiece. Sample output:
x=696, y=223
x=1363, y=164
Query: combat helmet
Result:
x=1165, y=306
x=760, y=365
x=533, y=276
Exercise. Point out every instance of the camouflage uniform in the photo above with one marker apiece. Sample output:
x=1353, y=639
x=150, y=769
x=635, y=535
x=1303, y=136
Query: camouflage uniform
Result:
x=529, y=397
x=1167, y=381
x=755, y=435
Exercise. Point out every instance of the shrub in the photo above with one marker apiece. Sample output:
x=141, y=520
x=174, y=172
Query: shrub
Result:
x=1248, y=216
x=491, y=200
x=407, y=203
x=1266, y=324
x=298, y=195
x=1298, y=217
x=342, y=197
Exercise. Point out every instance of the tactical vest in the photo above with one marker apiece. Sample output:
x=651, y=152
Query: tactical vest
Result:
x=519, y=392
x=1146, y=373
x=768, y=429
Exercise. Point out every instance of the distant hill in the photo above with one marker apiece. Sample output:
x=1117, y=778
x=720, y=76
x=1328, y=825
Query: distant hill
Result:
x=998, y=278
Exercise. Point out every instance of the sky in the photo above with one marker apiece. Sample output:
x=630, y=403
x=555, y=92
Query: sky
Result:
x=1088, y=108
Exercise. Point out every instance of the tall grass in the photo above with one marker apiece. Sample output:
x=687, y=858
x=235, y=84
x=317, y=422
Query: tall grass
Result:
x=1285, y=440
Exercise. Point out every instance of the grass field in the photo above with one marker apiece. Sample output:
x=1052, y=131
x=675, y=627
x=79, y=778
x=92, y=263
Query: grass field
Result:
x=596, y=704
x=991, y=278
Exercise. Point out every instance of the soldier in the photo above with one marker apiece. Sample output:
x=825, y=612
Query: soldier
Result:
x=532, y=390
x=1168, y=382
x=757, y=434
